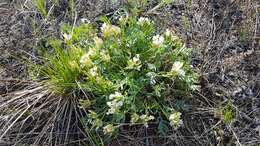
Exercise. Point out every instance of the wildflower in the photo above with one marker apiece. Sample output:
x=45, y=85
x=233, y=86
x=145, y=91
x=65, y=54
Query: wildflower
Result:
x=146, y=118
x=177, y=68
x=143, y=20
x=67, y=37
x=85, y=60
x=111, y=111
x=116, y=95
x=134, y=118
x=115, y=103
x=175, y=119
x=93, y=71
x=158, y=40
x=98, y=42
x=134, y=63
x=110, y=30
x=108, y=129
x=105, y=56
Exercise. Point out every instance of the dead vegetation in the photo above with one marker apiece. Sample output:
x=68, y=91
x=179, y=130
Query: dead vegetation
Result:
x=224, y=35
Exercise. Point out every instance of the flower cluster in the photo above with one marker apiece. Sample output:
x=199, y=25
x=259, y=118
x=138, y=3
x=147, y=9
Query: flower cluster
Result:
x=108, y=129
x=115, y=102
x=143, y=119
x=105, y=56
x=110, y=30
x=134, y=63
x=98, y=42
x=177, y=68
x=146, y=118
x=175, y=119
x=85, y=60
x=158, y=40
x=142, y=21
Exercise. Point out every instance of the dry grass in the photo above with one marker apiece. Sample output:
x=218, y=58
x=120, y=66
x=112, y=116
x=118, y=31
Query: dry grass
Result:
x=35, y=115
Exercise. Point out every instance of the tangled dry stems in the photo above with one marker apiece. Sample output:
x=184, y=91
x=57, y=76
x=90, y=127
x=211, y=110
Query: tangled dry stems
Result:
x=35, y=115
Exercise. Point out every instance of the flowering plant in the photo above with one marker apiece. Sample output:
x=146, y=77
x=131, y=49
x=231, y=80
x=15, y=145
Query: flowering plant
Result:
x=127, y=72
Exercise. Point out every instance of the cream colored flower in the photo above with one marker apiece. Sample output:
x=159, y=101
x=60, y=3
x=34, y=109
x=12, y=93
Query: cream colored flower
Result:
x=98, y=42
x=175, y=119
x=105, y=56
x=110, y=30
x=116, y=95
x=111, y=111
x=115, y=103
x=143, y=20
x=93, y=71
x=85, y=60
x=136, y=59
x=134, y=63
x=108, y=129
x=134, y=118
x=177, y=68
x=146, y=118
x=158, y=40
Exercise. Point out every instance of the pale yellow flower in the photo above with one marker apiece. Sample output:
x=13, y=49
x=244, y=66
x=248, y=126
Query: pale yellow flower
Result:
x=146, y=118
x=134, y=63
x=116, y=95
x=93, y=71
x=123, y=19
x=84, y=20
x=115, y=103
x=110, y=30
x=168, y=33
x=105, y=56
x=175, y=119
x=108, y=129
x=85, y=60
x=143, y=20
x=98, y=42
x=158, y=40
x=134, y=118
x=177, y=68
x=171, y=34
